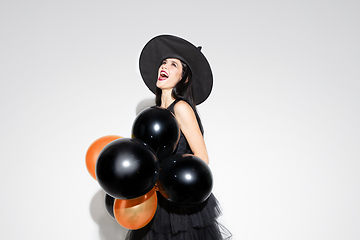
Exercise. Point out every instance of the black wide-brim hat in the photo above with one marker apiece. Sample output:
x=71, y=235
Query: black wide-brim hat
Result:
x=167, y=46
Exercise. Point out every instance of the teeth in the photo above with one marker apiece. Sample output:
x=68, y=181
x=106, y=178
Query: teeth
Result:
x=164, y=74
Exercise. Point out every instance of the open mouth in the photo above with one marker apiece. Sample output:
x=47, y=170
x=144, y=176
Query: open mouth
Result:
x=163, y=75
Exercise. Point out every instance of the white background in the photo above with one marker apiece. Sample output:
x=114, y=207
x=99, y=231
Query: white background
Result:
x=281, y=125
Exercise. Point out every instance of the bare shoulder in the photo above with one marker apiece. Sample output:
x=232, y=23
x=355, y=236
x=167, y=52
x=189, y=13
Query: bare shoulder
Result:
x=183, y=109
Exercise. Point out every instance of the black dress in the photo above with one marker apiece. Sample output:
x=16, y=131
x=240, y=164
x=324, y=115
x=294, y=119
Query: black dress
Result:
x=177, y=223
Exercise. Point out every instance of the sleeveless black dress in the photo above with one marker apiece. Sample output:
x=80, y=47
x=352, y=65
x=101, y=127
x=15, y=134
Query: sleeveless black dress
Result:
x=177, y=223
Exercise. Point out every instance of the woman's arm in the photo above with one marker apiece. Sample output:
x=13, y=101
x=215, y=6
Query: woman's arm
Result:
x=190, y=128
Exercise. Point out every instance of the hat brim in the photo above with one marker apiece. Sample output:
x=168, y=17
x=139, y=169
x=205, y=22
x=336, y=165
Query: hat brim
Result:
x=167, y=46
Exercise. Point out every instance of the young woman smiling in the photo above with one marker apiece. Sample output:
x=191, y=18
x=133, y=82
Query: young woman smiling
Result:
x=181, y=78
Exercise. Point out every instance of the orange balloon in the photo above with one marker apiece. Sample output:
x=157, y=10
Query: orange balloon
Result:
x=136, y=213
x=94, y=150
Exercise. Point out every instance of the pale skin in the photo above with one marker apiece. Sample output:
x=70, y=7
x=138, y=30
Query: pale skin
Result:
x=168, y=76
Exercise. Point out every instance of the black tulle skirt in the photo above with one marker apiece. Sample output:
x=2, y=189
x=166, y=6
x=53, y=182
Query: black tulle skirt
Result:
x=176, y=223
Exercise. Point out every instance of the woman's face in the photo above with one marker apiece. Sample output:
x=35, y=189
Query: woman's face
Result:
x=169, y=73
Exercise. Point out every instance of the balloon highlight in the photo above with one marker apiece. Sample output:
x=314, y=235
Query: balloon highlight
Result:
x=157, y=128
x=127, y=168
x=185, y=180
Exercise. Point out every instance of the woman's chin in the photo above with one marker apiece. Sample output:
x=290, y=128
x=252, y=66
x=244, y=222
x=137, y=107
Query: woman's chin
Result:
x=160, y=83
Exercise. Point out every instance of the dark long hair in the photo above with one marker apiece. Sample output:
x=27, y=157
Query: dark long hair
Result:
x=182, y=90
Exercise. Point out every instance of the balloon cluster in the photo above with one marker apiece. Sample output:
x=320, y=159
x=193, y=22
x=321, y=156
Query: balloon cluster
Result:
x=128, y=169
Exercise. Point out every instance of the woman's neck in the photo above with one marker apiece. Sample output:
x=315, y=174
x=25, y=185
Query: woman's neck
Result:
x=166, y=98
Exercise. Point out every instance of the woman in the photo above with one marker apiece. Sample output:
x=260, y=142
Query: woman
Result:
x=180, y=76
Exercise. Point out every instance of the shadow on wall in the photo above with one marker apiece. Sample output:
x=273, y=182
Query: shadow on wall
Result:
x=145, y=104
x=109, y=229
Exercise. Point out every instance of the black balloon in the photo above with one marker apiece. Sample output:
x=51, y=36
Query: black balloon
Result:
x=185, y=180
x=158, y=128
x=127, y=168
x=109, y=205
